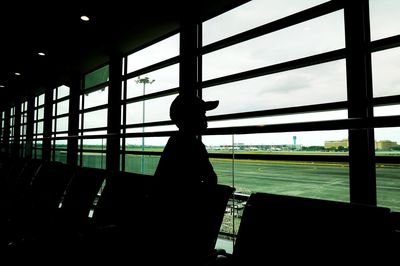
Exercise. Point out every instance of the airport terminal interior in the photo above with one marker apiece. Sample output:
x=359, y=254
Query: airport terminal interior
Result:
x=305, y=140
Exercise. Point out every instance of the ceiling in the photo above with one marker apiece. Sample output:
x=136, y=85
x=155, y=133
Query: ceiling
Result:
x=74, y=46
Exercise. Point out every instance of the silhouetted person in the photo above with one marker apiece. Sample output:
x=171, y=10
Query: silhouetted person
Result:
x=186, y=181
x=185, y=160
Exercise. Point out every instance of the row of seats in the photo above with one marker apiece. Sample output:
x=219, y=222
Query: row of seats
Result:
x=45, y=209
x=282, y=230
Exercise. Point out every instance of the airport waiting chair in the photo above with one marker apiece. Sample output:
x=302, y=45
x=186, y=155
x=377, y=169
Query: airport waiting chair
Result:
x=13, y=197
x=80, y=196
x=131, y=223
x=118, y=224
x=187, y=224
x=71, y=220
x=287, y=229
x=38, y=205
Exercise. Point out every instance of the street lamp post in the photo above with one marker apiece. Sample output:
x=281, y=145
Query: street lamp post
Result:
x=144, y=81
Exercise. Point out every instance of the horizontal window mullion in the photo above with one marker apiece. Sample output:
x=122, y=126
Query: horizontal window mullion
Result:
x=95, y=108
x=387, y=159
x=95, y=87
x=156, y=66
x=143, y=152
x=64, y=98
x=60, y=116
x=152, y=96
x=92, y=150
x=281, y=67
x=311, y=13
x=292, y=127
x=386, y=100
x=149, y=124
x=386, y=43
x=149, y=134
x=282, y=111
x=92, y=129
x=350, y=123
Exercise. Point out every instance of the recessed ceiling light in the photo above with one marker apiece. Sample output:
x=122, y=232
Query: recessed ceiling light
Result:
x=41, y=54
x=1, y=86
x=17, y=74
x=84, y=18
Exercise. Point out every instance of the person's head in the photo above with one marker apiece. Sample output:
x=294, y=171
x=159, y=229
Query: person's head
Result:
x=189, y=113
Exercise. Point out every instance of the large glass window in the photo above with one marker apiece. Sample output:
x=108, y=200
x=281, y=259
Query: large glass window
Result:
x=260, y=83
x=12, y=126
x=93, y=119
x=38, y=121
x=385, y=21
x=312, y=37
x=251, y=15
x=23, y=125
x=146, y=99
x=60, y=123
x=2, y=133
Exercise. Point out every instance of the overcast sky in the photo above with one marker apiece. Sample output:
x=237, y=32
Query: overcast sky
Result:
x=311, y=85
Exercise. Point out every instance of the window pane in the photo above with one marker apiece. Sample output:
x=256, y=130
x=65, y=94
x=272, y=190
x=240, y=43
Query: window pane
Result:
x=60, y=156
x=152, y=129
x=93, y=133
x=321, y=83
x=155, y=53
x=387, y=142
x=40, y=100
x=318, y=139
x=312, y=37
x=156, y=109
x=63, y=107
x=325, y=180
x=95, y=119
x=385, y=18
x=38, y=128
x=385, y=72
x=250, y=15
x=62, y=124
x=95, y=160
x=387, y=139
x=63, y=91
x=96, y=77
x=163, y=79
x=40, y=113
x=387, y=110
x=96, y=98
x=281, y=119
x=145, y=164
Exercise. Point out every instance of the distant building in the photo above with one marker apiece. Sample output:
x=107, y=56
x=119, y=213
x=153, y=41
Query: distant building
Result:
x=379, y=145
x=385, y=144
x=329, y=144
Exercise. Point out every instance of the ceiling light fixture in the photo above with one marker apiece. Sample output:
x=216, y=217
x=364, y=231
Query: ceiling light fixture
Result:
x=2, y=86
x=41, y=54
x=84, y=18
x=17, y=74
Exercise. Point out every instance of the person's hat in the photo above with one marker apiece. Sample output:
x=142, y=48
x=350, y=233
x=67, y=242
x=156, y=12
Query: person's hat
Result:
x=184, y=105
